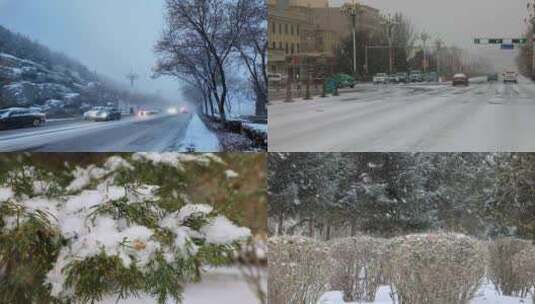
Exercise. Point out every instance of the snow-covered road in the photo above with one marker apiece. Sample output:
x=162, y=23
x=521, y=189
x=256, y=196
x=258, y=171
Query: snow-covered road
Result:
x=131, y=134
x=414, y=117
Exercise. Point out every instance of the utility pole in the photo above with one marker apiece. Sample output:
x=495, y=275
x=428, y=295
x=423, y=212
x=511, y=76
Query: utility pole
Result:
x=424, y=37
x=390, y=24
x=439, y=44
x=353, y=10
x=132, y=77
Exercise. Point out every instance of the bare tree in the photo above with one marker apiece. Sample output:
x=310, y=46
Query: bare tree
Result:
x=199, y=38
x=253, y=50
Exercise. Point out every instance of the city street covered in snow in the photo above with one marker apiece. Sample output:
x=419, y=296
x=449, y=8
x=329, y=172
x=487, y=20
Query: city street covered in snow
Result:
x=131, y=134
x=485, y=116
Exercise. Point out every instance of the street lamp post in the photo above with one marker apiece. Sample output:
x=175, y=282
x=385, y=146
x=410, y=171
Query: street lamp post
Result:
x=424, y=37
x=353, y=10
x=533, y=47
x=390, y=24
x=439, y=44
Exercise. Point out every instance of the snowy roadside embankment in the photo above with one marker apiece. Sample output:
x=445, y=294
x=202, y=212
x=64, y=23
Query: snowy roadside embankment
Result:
x=257, y=132
x=199, y=138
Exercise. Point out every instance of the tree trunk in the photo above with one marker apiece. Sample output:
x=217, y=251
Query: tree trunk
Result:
x=261, y=101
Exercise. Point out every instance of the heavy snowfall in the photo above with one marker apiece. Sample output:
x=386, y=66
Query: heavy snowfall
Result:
x=419, y=228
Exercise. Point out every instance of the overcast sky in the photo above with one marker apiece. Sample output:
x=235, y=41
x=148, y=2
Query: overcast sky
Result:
x=112, y=37
x=459, y=21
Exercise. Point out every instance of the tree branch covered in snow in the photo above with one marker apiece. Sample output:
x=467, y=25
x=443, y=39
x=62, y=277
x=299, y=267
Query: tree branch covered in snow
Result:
x=121, y=228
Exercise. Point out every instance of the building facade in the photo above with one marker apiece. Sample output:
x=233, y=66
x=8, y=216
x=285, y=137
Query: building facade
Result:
x=309, y=31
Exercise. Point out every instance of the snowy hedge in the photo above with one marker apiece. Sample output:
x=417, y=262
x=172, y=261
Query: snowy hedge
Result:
x=298, y=270
x=501, y=272
x=123, y=228
x=436, y=268
x=523, y=266
x=357, y=267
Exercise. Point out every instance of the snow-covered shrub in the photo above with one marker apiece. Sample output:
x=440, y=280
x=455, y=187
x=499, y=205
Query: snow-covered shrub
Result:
x=298, y=270
x=357, y=267
x=500, y=268
x=436, y=268
x=121, y=228
x=524, y=270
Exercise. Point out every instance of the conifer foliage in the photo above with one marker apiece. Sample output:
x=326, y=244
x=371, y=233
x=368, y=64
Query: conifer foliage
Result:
x=122, y=228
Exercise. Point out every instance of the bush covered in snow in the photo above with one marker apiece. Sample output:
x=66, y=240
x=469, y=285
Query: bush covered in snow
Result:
x=500, y=270
x=122, y=228
x=357, y=267
x=523, y=268
x=298, y=270
x=436, y=268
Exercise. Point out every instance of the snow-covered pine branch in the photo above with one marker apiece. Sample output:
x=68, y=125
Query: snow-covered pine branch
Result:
x=121, y=228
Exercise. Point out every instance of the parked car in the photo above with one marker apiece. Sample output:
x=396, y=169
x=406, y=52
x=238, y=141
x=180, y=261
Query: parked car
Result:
x=492, y=77
x=345, y=80
x=416, y=76
x=380, y=78
x=510, y=76
x=392, y=78
x=102, y=114
x=460, y=79
x=401, y=77
x=275, y=77
x=431, y=77
x=20, y=117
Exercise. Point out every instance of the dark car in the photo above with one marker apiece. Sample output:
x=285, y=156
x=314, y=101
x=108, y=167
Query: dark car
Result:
x=492, y=77
x=20, y=118
x=460, y=79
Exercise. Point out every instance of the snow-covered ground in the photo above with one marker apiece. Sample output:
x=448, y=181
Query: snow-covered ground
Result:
x=219, y=286
x=414, y=117
x=199, y=138
x=486, y=295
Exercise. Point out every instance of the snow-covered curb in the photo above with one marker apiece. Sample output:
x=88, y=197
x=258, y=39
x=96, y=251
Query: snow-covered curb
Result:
x=199, y=138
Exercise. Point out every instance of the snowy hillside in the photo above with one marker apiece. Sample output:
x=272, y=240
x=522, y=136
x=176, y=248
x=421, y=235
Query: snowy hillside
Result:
x=33, y=75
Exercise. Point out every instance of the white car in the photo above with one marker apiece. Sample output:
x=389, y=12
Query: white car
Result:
x=510, y=76
x=380, y=78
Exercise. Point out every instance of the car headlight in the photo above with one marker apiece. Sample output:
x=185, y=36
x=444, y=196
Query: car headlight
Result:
x=172, y=111
x=104, y=114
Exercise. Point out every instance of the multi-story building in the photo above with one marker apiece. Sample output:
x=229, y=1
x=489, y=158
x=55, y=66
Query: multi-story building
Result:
x=305, y=30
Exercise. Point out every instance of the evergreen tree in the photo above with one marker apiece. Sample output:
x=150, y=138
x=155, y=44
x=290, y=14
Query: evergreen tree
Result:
x=123, y=227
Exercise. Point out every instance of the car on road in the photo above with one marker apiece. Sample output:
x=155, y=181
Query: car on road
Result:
x=460, y=79
x=20, y=117
x=184, y=110
x=146, y=113
x=416, y=76
x=492, y=77
x=510, y=76
x=102, y=114
x=380, y=78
